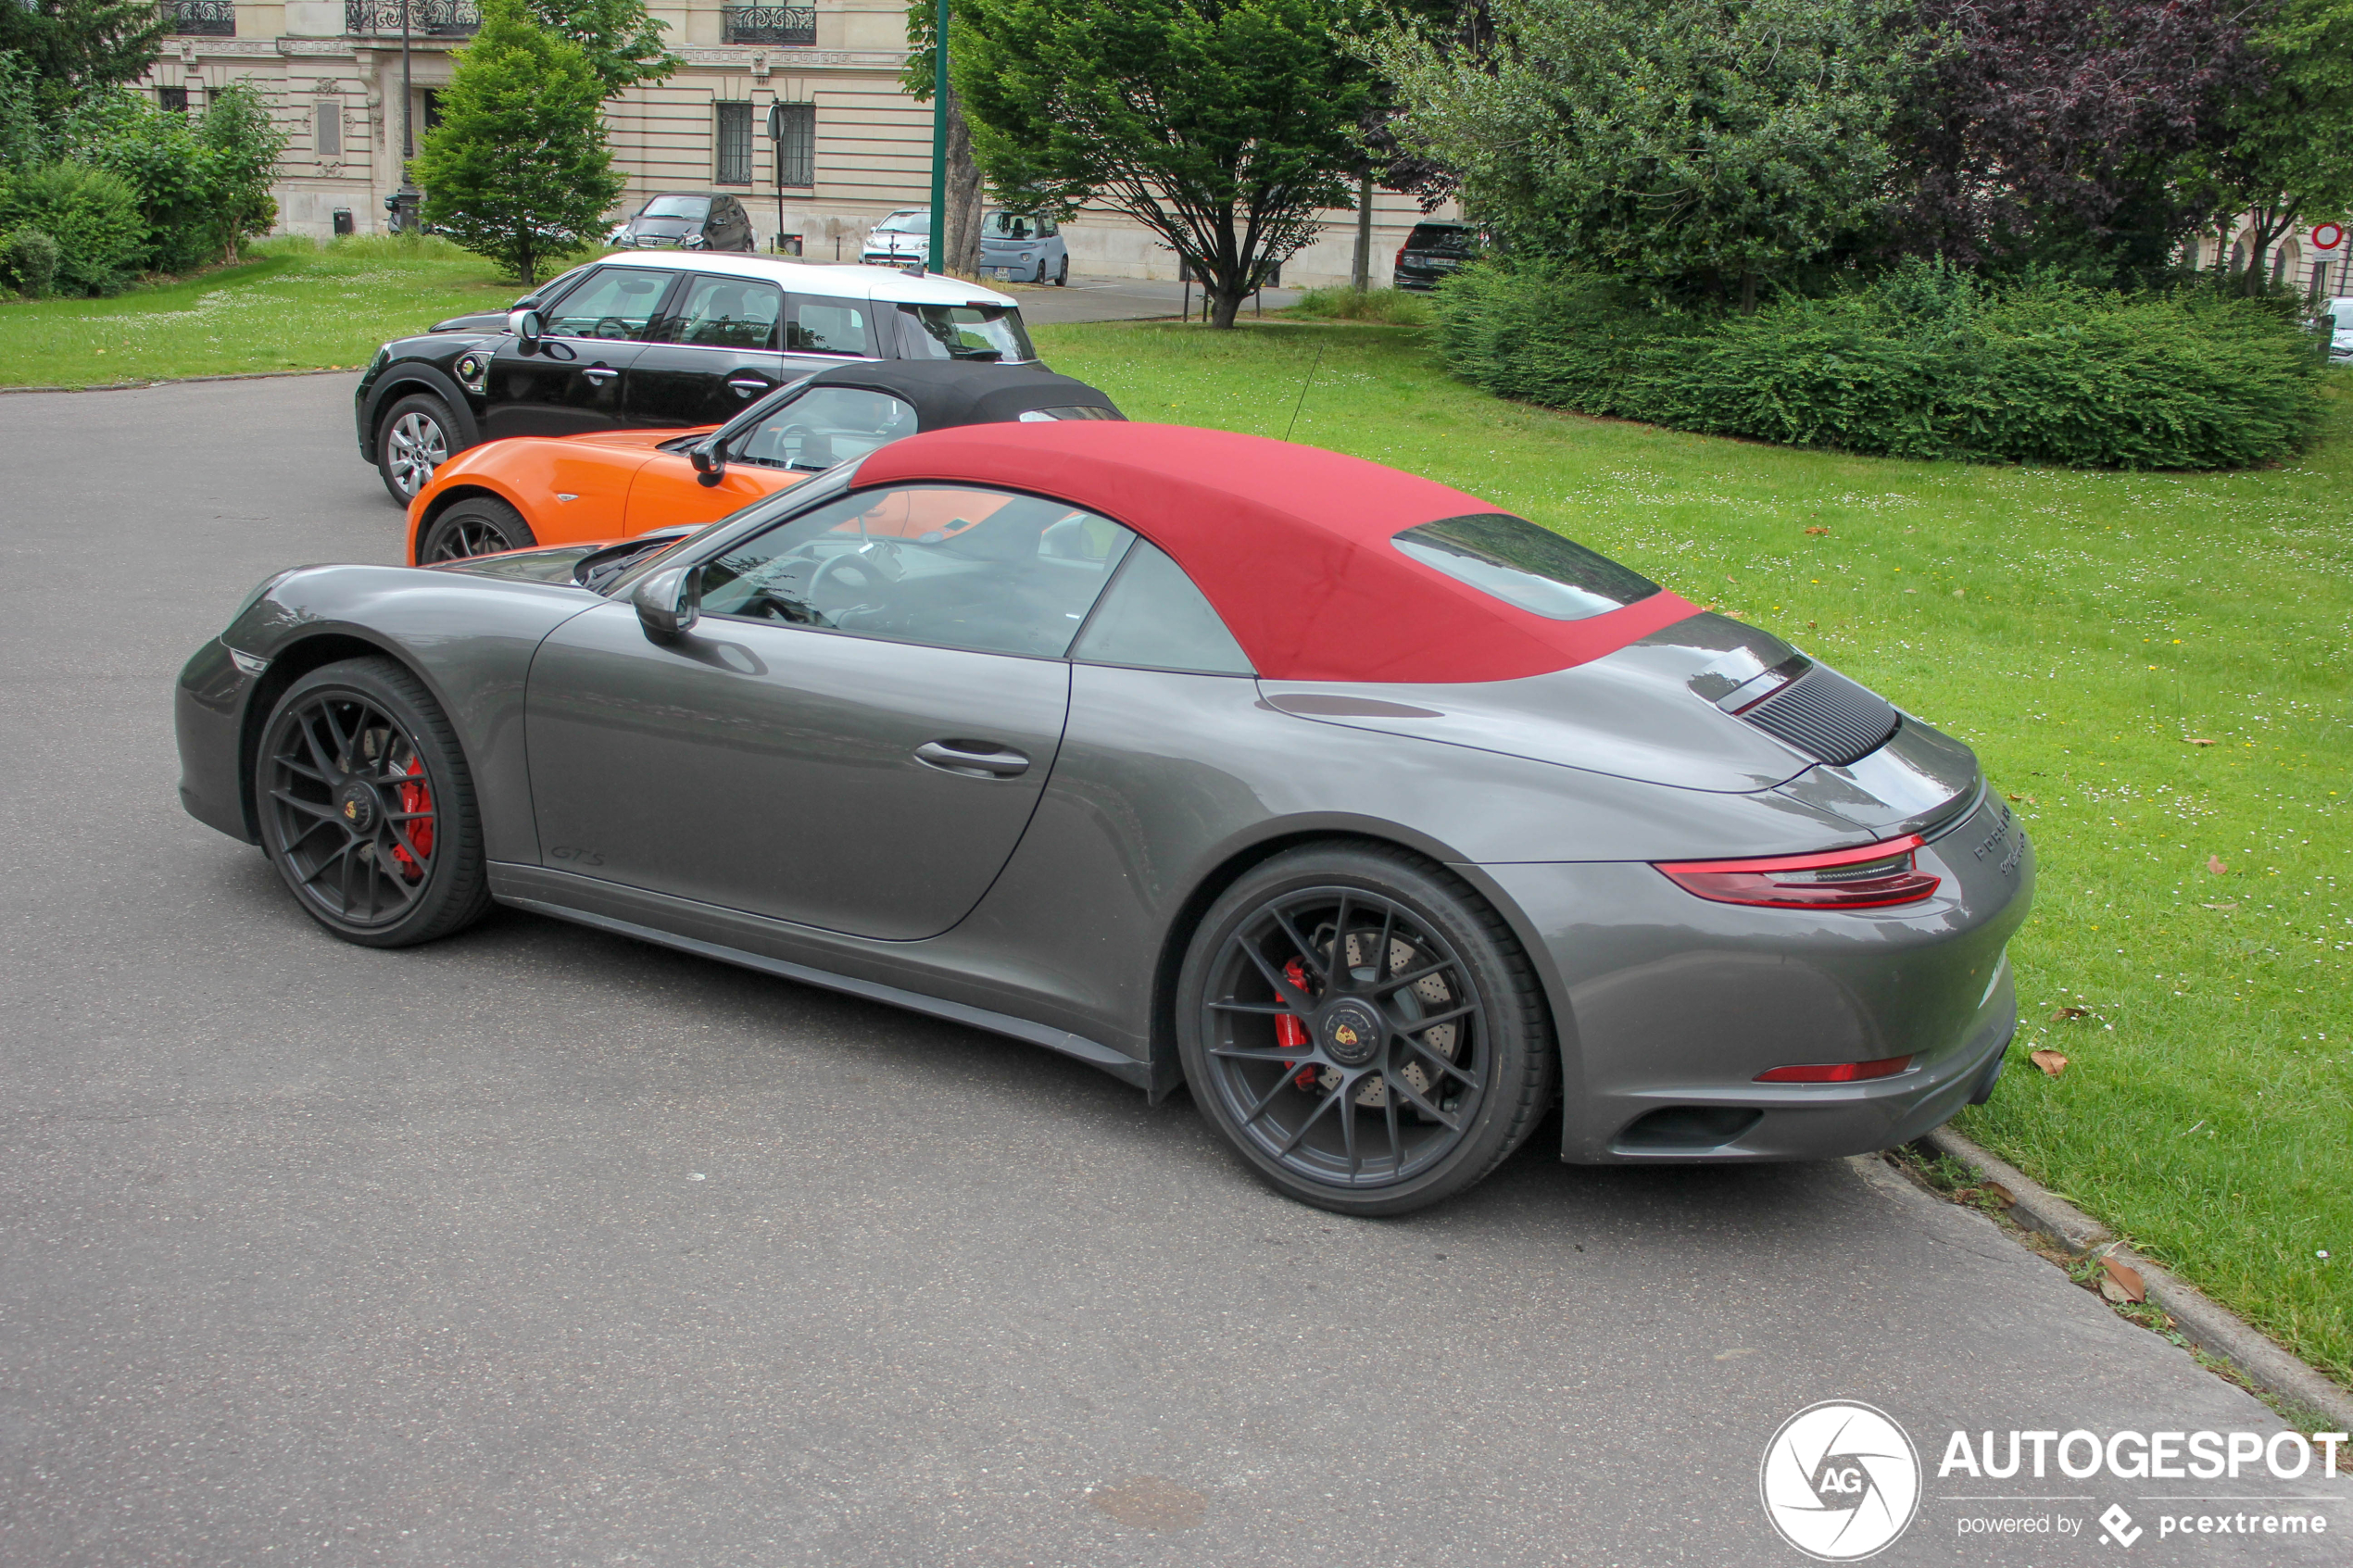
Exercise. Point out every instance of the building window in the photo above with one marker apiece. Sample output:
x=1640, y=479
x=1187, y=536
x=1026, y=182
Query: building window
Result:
x=173, y=98
x=732, y=164
x=768, y=24
x=794, y=128
x=329, y=141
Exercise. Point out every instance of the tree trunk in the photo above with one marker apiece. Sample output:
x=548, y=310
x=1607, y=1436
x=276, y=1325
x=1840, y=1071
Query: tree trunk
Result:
x=1223, y=305
x=1748, y=293
x=961, y=253
x=1361, y=274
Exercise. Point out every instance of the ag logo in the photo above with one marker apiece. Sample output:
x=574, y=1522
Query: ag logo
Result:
x=1841, y=1481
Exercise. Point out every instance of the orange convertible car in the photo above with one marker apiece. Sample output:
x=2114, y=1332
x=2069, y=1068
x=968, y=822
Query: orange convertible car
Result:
x=579, y=489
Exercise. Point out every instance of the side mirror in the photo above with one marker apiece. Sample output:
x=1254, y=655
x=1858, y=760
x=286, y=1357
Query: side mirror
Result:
x=709, y=460
x=669, y=603
x=526, y=326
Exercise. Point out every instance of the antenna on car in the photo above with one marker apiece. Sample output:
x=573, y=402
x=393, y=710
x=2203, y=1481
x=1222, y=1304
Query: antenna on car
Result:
x=1302, y=391
x=914, y=271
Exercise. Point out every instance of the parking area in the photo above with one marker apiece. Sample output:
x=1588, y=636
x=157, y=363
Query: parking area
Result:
x=539, y=1247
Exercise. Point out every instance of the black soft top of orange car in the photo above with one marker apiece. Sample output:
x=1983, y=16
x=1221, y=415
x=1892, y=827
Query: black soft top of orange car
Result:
x=959, y=392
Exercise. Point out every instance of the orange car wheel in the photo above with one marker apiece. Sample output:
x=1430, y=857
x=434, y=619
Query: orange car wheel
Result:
x=479, y=525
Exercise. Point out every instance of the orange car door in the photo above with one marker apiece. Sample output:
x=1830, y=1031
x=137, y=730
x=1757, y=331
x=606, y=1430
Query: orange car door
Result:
x=667, y=490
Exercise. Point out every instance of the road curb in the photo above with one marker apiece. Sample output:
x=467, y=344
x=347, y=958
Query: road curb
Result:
x=2204, y=1322
x=184, y=381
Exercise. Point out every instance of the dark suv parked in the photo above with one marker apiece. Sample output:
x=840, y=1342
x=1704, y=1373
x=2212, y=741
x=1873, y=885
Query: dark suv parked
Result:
x=687, y=221
x=1431, y=251
x=644, y=341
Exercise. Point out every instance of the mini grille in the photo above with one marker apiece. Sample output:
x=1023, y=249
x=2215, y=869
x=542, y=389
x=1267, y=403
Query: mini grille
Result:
x=1826, y=715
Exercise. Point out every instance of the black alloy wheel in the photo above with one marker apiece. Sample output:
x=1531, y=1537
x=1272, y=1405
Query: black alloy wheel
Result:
x=367, y=808
x=415, y=436
x=1364, y=1029
x=479, y=525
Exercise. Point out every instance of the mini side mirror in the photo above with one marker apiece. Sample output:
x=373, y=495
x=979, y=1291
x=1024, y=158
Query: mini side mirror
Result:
x=669, y=603
x=709, y=462
x=526, y=326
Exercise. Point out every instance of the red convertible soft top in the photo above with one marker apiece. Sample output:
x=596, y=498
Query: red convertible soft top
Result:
x=1291, y=544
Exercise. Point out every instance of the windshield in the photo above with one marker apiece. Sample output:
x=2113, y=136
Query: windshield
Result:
x=1447, y=239
x=1008, y=226
x=962, y=331
x=696, y=207
x=1530, y=567
x=906, y=223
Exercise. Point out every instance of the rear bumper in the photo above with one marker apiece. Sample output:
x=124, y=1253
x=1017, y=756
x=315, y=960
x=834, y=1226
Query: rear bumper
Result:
x=1668, y=1006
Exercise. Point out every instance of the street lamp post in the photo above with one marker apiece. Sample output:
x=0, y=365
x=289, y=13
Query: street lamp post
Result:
x=936, y=247
x=404, y=201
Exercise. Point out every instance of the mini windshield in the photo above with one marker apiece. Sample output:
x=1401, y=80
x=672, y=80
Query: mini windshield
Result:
x=962, y=331
x=1530, y=568
x=905, y=223
x=694, y=207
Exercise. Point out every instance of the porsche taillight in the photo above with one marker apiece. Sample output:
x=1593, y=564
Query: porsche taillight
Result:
x=1870, y=877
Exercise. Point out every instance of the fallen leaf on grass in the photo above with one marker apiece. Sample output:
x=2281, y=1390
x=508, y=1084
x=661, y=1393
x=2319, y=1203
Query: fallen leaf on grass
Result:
x=1818, y=529
x=1999, y=1194
x=2195, y=741
x=2026, y=799
x=2214, y=866
x=2068, y=1012
x=2051, y=1062
x=2123, y=1282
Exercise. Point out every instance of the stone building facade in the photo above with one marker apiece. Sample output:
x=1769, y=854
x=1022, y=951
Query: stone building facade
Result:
x=858, y=147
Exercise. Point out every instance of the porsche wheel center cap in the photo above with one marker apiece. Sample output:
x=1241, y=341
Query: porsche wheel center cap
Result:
x=358, y=807
x=1352, y=1033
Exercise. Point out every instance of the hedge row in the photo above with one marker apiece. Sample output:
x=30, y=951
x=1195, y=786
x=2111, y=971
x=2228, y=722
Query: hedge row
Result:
x=1928, y=362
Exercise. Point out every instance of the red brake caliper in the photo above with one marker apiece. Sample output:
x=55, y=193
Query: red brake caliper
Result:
x=416, y=797
x=1289, y=1033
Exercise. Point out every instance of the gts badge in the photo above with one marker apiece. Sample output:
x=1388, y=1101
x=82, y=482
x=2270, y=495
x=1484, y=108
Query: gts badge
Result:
x=570, y=856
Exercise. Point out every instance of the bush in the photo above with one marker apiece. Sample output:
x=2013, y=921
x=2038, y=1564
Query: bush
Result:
x=92, y=216
x=202, y=185
x=1399, y=307
x=28, y=261
x=1928, y=362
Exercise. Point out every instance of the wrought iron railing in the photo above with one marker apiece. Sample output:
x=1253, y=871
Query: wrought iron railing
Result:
x=768, y=24
x=427, y=18
x=204, y=19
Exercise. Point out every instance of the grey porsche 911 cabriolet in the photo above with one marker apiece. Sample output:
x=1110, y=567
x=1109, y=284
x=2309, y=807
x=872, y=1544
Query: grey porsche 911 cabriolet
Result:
x=1381, y=819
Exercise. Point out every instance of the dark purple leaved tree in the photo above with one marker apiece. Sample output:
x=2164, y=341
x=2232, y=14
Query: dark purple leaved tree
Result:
x=2059, y=130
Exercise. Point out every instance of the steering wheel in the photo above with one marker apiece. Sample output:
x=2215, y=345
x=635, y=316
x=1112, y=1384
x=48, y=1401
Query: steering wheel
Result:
x=868, y=569
x=620, y=331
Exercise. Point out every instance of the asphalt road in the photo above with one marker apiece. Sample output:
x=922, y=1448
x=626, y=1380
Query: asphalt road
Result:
x=537, y=1247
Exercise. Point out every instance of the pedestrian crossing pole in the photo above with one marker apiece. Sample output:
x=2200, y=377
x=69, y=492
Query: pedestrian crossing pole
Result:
x=936, y=247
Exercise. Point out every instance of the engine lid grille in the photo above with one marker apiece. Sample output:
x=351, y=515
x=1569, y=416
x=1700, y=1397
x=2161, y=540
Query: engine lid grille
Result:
x=1824, y=714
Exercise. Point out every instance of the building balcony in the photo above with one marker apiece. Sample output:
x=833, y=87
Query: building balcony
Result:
x=202, y=18
x=768, y=24
x=427, y=18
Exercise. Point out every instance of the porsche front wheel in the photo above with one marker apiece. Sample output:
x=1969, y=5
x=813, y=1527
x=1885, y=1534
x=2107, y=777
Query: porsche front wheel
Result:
x=368, y=809
x=417, y=437
x=479, y=525
x=1362, y=1029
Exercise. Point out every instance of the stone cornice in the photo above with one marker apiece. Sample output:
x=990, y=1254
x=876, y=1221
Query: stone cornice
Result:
x=789, y=57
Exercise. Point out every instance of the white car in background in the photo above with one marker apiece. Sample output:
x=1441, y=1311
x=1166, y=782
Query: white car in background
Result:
x=2338, y=314
x=900, y=240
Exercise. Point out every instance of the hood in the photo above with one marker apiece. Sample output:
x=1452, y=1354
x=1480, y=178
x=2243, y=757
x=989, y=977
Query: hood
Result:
x=1704, y=704
x=664, y=225
x=545, y=563
x=640, y=440
x=488, y=323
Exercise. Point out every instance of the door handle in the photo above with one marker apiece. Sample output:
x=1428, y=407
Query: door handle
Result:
x=747, y=386
x=973, y=759
x=600, y=373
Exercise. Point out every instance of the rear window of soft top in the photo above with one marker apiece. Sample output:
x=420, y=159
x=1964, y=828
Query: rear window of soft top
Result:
x=1527, y=567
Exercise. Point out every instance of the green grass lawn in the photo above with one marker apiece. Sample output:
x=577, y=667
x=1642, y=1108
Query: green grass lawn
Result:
x=2079, y=629
x=294, y=306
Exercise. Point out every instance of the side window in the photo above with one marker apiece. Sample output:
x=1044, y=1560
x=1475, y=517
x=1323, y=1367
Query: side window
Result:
x=1047, y=228
x=820, y=325
x=947, y=566
x=725, y=312
x=612, y=302
x=1154, y=618
x=823, y=426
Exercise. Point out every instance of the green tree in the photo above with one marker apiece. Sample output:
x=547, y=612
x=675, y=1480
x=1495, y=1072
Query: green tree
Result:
x=1699, y=150
x=203, y=184
x=21, y=135
x=2286, y=152
x=517, y=169
x=244, y=140
x=1220, y=125
x=622, y=40
x=74, y=45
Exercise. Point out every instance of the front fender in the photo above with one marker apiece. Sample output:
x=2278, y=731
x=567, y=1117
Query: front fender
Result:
x=470, y=639
x=399, y=379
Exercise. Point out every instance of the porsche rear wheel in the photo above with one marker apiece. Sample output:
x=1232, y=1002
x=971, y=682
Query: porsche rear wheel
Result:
x=368, y=809
x=1364, y=1029
x=416, y=436
x=479, y=525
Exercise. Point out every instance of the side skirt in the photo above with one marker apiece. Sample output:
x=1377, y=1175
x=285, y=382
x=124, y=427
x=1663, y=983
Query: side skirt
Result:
x=1094, y=1053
